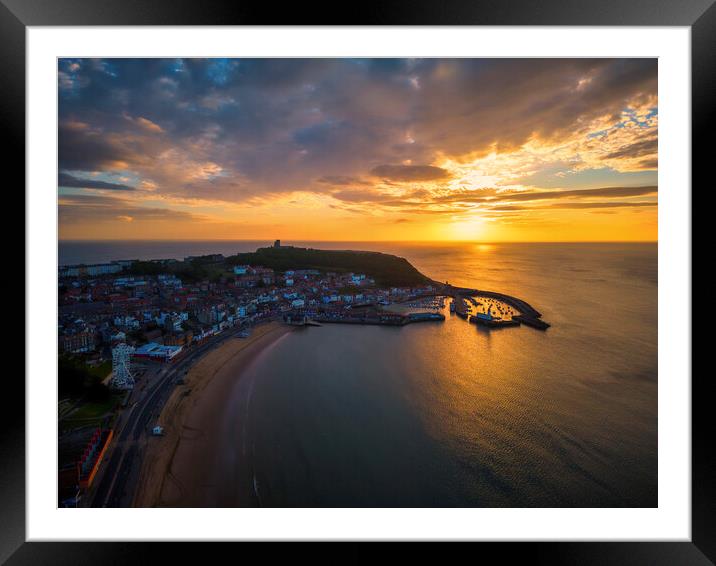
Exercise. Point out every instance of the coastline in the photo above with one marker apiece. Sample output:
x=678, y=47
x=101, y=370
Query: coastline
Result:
x=193, y=421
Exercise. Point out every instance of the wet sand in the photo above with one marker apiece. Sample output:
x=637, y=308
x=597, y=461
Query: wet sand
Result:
x=186, y=467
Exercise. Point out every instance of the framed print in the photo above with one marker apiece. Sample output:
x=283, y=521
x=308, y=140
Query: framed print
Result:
x=421, y=275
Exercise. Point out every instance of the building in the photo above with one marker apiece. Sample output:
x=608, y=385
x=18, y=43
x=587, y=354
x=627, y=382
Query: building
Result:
x=158, y=352
x=173, y=323
x=247, y=281
x=79, y=342
x=266, y=275
x=210, y=258
x=241, y=269
x=178, y=339
x=91, y=270
x=277, y=244
x=92, y=456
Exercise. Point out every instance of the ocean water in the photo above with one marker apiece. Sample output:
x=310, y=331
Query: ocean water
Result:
x=451, y=414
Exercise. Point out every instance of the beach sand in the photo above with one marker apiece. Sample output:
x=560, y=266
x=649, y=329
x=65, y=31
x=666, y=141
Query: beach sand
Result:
x=180, y=469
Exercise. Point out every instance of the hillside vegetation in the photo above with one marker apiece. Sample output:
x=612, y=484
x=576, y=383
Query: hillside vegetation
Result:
x=387, y=270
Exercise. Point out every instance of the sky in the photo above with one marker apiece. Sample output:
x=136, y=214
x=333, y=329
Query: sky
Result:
x=358, y=149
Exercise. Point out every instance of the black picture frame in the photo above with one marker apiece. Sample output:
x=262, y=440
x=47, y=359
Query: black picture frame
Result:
x=699, y=15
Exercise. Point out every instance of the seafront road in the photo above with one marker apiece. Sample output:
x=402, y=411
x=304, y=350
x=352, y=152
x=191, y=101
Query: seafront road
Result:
x=115, y=487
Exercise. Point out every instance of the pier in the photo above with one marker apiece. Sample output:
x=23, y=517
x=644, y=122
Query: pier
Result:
x=383, y=318
x=537, y=323
x=494, y=323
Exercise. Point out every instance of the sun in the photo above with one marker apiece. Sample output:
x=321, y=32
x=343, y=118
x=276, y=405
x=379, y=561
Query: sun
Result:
x=470, y=229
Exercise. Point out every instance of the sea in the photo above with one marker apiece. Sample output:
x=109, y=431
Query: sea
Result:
x=450, y=414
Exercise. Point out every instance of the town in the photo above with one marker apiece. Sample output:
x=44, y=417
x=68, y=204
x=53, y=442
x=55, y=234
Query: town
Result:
x=122, y=324
x=161, y=315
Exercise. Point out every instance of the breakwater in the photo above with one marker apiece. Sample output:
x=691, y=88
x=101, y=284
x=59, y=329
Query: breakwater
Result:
x=528, y=316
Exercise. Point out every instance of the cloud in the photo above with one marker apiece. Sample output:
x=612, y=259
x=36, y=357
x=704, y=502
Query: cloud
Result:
x=639, y=149
x=67, y=180
x=576, y=205
x=493, y=201
x=145, y=124
x=341, y=180
x=254, y=130
x=611, y=192
x=75, y=209
x=282, y=124
x=406, y=173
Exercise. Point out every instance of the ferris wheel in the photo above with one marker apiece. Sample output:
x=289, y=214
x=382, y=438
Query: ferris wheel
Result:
x=121, y=360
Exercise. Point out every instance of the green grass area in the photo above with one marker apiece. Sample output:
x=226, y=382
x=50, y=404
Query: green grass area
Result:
x=94, y=409
x=90, y=413
x=387, y=270
x=102, y=370
x=188, y=271
x=64, y=407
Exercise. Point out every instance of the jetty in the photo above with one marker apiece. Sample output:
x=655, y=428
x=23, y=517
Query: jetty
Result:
x=493, y=322
x=299, y=320
x=382, y=318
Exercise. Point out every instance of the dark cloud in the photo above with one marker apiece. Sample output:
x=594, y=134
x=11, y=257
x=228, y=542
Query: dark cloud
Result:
x=357, y=196
x=339, y=180
x=467, y=195
x=276, y=125
x=577, y=205
x=494, y=195
x=405, y=173
x=67, y=180
x=493, y=200
x=513, y=100
x=85, y=148
x=83, y=208
x=611, y=192
x=638, y=149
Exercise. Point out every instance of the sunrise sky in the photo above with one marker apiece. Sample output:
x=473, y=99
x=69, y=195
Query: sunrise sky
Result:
x=356, y=149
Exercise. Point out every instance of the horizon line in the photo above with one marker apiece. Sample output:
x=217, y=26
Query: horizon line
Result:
x=362, y=241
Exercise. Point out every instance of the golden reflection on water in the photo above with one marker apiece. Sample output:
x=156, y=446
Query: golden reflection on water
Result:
x=452, y=413
x=484, y=248
x=476, y=388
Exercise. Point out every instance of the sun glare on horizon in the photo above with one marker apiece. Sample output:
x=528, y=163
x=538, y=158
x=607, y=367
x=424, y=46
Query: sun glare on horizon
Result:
x=337, y=149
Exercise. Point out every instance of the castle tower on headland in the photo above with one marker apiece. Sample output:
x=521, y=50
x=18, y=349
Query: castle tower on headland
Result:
x=277, y=244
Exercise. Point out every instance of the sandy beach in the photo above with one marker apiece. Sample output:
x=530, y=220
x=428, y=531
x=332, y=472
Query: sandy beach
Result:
x=182, y=468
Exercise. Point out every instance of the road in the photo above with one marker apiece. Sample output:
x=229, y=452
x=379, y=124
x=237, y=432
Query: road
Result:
x=116, y=486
